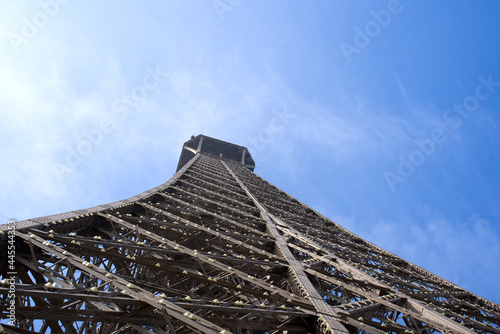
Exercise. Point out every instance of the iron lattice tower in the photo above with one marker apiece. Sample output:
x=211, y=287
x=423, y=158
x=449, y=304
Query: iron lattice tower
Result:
x=217, y=249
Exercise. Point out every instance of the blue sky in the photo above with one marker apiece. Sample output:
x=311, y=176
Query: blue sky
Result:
x=382, y=115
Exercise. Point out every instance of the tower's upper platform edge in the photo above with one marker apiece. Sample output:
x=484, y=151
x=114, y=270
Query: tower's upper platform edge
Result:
x=215, y=147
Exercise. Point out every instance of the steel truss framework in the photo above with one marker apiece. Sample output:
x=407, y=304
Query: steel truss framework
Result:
x=217, y=249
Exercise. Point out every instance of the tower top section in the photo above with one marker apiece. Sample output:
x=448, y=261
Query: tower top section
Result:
x=215, y=147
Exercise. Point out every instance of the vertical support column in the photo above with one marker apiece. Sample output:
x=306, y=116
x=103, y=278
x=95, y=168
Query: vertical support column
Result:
x=199, y=145
x=327, y=314
x=243, y=154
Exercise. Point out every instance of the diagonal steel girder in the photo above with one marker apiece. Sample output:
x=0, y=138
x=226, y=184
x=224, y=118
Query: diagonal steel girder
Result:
x=416, y=309
x=210, y=261
x=126, y=287
x=327, y=314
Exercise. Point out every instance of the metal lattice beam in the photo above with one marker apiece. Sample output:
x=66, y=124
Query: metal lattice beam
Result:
x=217, y=249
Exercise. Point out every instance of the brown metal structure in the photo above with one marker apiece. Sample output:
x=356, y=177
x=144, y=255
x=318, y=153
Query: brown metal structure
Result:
x=217, y=249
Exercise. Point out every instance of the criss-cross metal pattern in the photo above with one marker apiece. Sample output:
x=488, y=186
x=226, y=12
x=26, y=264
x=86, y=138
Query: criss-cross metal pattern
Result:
x=217, y=249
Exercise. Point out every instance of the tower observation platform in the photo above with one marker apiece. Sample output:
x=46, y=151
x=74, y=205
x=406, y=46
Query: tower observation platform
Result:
x=217, y=249
x=217, y=148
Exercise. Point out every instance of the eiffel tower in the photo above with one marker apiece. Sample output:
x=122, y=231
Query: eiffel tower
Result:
x=217, y=249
